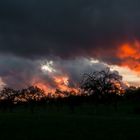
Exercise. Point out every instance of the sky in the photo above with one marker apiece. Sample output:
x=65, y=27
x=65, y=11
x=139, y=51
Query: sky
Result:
x=51, y=43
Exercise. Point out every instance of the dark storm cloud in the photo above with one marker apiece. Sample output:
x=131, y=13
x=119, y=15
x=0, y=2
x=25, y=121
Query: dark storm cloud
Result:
x=40, y=28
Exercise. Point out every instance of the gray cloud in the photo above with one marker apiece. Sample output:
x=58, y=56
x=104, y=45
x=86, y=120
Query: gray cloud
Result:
x=20, y=72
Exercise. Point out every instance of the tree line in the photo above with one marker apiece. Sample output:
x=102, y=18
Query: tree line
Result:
x=99, y=87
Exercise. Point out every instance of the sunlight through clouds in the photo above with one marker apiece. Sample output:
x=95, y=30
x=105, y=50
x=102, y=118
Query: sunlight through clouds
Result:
x=130, y=76
x=48, y=67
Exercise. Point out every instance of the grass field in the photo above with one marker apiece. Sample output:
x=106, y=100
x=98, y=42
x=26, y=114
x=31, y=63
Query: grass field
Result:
x=62, y=124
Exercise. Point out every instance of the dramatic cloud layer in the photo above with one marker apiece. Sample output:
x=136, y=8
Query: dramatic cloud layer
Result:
x=69, y=33
x=19, y=72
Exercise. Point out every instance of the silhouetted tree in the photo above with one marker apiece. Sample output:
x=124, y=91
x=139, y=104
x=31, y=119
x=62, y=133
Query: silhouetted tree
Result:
x=32, y=95
x=103, y=86
x=7, y=98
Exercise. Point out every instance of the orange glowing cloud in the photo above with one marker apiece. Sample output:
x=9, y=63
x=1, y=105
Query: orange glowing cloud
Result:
x=60, y=82
x=129, y=53
x=44, y=86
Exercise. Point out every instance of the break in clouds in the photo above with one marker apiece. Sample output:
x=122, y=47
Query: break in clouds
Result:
x=69, y=33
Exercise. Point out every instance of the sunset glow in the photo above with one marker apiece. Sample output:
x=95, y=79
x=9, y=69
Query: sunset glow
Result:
x=60, y=82
x=46, y=88
x=129, y=53
x=53, y=49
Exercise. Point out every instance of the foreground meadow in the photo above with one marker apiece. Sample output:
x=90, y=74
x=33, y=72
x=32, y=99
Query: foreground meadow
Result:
x=60, y=123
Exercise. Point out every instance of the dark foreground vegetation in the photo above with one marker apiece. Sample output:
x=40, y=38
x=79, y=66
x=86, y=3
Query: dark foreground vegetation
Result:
x=53, y=122
x=101, y=110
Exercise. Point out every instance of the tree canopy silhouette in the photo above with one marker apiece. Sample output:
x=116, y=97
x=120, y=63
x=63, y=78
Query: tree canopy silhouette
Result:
x=102, y=82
